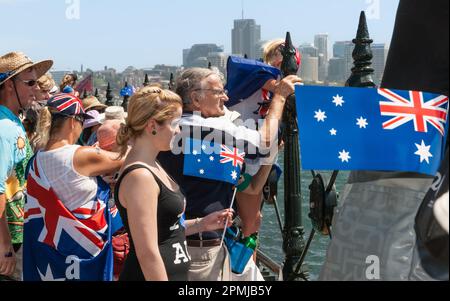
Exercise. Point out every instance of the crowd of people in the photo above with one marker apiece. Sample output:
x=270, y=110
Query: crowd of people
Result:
x=71, y=150
x=91, y=192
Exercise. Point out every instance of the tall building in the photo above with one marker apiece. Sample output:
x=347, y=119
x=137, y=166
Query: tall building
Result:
x=341, y=64
x=197, y=55
x=336, y=70
x=260, y=49
x=244, y=37
x=321, y=43
x=308, y=50
x=309, y=72
x=185, y=56
x=380, y=52
x=339, y=48
x=219, y=60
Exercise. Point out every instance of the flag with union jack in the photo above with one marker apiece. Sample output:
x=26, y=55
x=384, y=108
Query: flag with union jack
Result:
x=209, y=160
x=62, y=245
x=371, y=129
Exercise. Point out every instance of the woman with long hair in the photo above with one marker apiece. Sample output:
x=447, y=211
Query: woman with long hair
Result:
x=150, y=202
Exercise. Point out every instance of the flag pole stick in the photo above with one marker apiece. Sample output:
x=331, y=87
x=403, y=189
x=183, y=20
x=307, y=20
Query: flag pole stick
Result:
x=228, y=218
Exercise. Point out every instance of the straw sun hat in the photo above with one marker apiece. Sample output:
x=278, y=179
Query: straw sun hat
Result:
x=14, y=63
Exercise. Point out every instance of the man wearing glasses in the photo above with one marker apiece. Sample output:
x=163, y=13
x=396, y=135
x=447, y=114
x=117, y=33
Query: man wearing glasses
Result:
x=204, y=109
x=18, y=87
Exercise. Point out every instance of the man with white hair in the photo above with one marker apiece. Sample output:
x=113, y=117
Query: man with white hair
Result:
x=204, y=109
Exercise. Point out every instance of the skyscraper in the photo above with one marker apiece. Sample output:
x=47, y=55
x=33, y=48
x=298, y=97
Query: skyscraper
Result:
x=308, y=50
x=321, y=43
x=380, y=52
x=197, y=55
x=342, y=63
x=245, y=37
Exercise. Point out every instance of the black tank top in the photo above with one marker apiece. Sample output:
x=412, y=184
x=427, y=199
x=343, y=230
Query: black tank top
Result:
x=171, y=233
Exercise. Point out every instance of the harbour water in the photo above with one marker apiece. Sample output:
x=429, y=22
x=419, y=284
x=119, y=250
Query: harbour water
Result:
x=271, y=241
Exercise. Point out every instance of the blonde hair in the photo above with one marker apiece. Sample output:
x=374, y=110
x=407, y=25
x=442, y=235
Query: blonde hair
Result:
x=148, y=103
x=48, y=125
x=271, y=49
x=46, y=82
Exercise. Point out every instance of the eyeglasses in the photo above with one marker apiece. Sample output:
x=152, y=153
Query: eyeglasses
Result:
x=216, y=92
x=29, y=83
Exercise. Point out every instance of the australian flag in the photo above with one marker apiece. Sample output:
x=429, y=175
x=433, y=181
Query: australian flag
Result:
x=212, y=161
x=62, y=245
x=371, y=129
x=245, y=77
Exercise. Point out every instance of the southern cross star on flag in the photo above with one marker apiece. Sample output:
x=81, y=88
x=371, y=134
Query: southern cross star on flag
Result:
x=344, y=128
x=209, y=160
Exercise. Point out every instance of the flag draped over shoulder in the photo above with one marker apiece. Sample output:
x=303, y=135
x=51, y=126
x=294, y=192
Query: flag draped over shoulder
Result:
x=371, y=129
x=85, y=85
x=61, y=245
x=245, y=77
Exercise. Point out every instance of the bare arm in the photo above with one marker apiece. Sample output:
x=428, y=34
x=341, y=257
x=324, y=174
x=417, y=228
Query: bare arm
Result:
x=258, y=180
x=271, y=85
x=139, y=195
x=269, y=130
x=93, y=161
x=211, y=222
x=7, y=264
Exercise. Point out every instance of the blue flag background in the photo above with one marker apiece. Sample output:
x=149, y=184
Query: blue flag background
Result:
x=245, y=77
x=202, y=160
x=342, y=129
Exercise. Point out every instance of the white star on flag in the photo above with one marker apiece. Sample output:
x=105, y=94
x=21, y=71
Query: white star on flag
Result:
x=234, y=175
x=338, y=100
x=344, y=156
x=195, y=153
x=423, y=152
x=333, y=132
x=49, y=275
x=320, y=116
x=211, y=158
x=203, y=147
x=202, y=171
x=362, y=122
x=199, y=160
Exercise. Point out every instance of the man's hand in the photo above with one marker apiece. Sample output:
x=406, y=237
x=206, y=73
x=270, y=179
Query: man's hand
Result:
x=287, y=86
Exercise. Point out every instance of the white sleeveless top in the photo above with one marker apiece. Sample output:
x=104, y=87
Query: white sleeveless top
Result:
x=74, y=190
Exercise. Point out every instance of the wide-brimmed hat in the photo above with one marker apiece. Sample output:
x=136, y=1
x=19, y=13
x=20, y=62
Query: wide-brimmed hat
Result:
x=92, y=102
x=95, y=120
x=114, y=113
x=14, y=63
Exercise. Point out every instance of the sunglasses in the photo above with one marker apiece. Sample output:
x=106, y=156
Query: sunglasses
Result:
x=29, y=83
x=79, y=118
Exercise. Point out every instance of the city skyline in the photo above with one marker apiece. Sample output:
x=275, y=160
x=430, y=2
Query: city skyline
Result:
x=110, y=33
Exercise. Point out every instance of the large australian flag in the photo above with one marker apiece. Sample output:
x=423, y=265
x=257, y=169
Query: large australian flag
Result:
x=62, y=244
x=371, y=129
x=213, y=161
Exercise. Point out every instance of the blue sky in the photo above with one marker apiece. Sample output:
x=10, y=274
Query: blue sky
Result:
x=143, y=33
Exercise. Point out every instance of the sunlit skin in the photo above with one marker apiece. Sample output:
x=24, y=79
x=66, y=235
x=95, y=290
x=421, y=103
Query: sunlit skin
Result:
x=210, y=98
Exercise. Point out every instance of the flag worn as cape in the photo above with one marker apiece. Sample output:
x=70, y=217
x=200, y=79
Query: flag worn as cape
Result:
x=245, y=77
x=61, y=245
